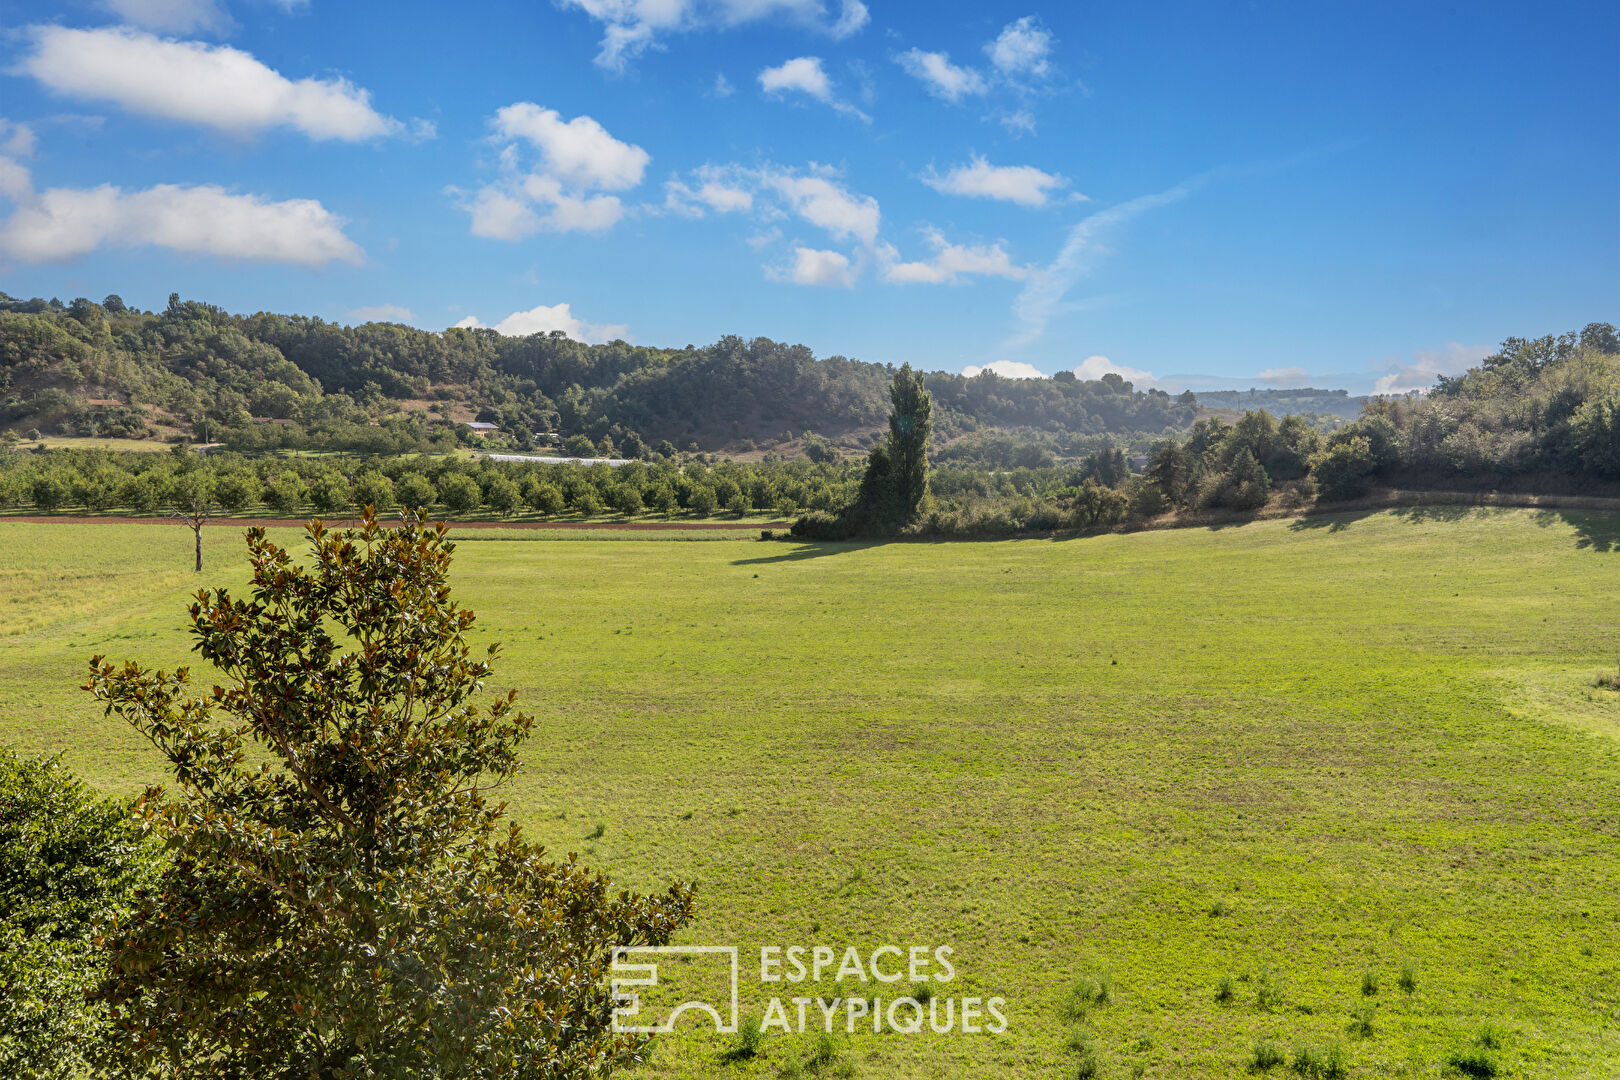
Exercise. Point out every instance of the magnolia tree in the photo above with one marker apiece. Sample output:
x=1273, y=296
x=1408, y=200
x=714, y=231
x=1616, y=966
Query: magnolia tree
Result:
x=341, y=898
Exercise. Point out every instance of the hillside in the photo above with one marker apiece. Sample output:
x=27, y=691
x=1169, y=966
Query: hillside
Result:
x=265, y=380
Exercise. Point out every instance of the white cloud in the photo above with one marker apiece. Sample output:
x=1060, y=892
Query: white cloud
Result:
x=722, y=86
x=1042, y=298
x=171, y=16
x=1007, y=369
x=827, y=204
x=64, y=223
x=805, y=75
x=211, y=85
x=1019, y=123
x=1095, y=367
x=802, y=73
x=716, y=189
x=852, y=16
x=951, y=262
x=1284, y=376
x=761, y=240
x=15, y=183
x=830, y=269
x=1091, y=369
x=1022, y=48
x=382, y=313
x=16, y=140
x=1021, y=184
x=543, y=319
x=500, y=216
x=1428, y=365
x=631, y=27
x=577, y=158
x=770, y=194
x=943, y=79
x=578, y=152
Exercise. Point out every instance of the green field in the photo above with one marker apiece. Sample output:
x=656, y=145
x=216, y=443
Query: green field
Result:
x=1294, y=752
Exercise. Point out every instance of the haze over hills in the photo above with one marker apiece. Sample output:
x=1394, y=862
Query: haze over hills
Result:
x=88, y=368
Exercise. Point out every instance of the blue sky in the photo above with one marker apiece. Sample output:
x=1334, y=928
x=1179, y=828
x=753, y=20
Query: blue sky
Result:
x=1206, y=194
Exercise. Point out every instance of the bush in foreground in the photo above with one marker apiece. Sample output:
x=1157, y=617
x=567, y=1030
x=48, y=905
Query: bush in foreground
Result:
x=354, y=907
x=67, y=859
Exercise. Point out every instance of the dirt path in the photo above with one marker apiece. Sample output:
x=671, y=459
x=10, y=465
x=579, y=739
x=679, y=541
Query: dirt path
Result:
x=349, y=522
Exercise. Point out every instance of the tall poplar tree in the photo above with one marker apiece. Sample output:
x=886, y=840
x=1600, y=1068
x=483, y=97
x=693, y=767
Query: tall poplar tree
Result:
x=910, y=423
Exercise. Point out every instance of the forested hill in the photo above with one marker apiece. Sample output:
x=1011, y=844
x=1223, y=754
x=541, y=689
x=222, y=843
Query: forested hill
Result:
x=87, y=368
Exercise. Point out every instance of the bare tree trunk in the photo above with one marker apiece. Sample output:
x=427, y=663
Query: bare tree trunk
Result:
x=197, y=528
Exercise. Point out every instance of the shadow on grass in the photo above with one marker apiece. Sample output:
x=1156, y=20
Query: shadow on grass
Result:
x=1332, y=522
x=810, y=550
x=1594, y=529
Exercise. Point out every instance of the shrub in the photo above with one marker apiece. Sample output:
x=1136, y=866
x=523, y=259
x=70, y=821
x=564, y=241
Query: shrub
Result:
x=1267, y=1056
x=284, y=493
x=502, y=495
x=1268, y=990
x=415, y=491
x=374, y=490
x=1343, y=467
x=1318, y=1064
x=547, y=498
x=626, y=499
x=1474, y=1061
x=329, y=493
x=68, y=860
x=371, y=835
x=1089, y=991
x=1408, y=980
x=584, y=501
x=747, y=1043
x=459, y=493
x=1225, y=990
x=703, y=501
x=1369, y=982
x=820, y=525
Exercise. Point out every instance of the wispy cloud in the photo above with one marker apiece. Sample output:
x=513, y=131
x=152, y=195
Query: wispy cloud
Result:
x=1086, y=245
x=631, y=27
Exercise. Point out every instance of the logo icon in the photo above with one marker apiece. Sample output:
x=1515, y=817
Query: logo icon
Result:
x=629, y=975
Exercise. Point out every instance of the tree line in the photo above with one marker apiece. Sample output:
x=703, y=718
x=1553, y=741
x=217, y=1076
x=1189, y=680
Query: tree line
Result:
x=109, y=369
x=1541, y=415
x=145, y=483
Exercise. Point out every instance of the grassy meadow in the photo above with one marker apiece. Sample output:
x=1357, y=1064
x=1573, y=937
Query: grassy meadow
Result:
x=1277, y=764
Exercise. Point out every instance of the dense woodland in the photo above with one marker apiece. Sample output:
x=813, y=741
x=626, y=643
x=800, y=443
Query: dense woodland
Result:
x=193, y=369
x=1539, y=415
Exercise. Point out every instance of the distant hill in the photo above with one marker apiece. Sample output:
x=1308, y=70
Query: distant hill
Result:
x=267, y=380
x=1285, y=402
